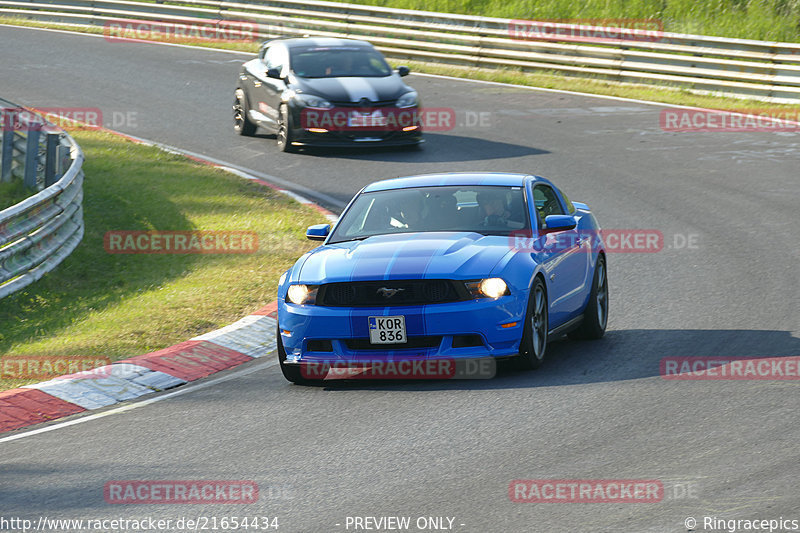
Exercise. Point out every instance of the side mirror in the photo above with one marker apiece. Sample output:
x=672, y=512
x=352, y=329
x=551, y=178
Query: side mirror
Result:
x=274, y=73
x=559, y=222
x=318, y=232
x=403, y=71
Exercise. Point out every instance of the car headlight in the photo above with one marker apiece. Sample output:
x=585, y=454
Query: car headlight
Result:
x=487, y=288
x=309, y=100
x=408, y=100
x=302, y=294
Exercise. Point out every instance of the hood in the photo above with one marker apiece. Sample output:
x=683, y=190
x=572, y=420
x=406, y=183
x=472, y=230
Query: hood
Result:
x=351, y=89
x=436, y=255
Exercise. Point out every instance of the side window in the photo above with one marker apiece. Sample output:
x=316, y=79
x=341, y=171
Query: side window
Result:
x=546, y=201
x=275, y=57
x=570, y=208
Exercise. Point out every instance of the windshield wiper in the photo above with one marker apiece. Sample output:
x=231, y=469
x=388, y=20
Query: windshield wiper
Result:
x=353, y=239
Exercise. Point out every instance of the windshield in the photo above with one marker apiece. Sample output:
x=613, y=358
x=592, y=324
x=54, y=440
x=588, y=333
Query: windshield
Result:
x=490, y=210
x=338, y=62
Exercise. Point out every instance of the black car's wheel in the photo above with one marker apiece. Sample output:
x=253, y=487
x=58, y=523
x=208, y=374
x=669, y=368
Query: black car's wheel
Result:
x=595, y=316
x=290, y=372
x=241, y=123
x=533, y=346
x=284, y=134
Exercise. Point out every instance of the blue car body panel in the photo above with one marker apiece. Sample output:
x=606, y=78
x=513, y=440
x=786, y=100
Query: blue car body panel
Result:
x=567, y=273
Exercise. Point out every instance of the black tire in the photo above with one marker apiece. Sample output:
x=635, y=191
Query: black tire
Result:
x=595, y=316
x=284, y=133
x=290, y=372
x=241, y=123
x=533, y=347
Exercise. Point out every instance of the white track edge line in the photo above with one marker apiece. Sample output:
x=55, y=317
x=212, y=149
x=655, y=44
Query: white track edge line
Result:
x=184, y=389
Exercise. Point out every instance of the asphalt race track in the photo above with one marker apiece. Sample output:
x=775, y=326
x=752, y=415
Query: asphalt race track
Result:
x=597, y=410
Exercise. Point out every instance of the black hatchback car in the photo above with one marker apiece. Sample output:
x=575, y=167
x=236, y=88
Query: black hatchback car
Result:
x=326, y=92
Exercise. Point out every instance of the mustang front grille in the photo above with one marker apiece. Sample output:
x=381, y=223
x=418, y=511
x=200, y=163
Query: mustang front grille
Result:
x=391, y=293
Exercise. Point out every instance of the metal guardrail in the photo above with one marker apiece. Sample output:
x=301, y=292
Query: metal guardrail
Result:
x=39, y=232
x=769, y=71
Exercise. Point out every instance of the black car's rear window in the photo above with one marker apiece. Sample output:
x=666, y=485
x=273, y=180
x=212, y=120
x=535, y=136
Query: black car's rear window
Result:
x=339, y=61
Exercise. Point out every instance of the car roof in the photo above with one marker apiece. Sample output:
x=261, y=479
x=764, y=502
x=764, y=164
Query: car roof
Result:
x=321, y=42
x=506, y=179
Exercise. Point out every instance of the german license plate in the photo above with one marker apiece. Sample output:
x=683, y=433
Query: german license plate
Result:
x=376, y=119
x=387, y=329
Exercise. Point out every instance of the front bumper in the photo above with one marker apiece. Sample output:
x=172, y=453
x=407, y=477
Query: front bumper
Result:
x=345, y=139
x=341, y=136
x=457, y=330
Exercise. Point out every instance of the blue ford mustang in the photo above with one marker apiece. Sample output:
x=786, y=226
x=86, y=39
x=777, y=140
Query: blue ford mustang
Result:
x=452, y=266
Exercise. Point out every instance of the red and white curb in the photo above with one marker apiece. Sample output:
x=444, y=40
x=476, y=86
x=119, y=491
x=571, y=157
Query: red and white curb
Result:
x=249, y=338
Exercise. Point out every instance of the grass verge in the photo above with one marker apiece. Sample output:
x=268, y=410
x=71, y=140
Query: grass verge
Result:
x=12, y=193
x=768, y=20
x=120, y=305
x=544, y=79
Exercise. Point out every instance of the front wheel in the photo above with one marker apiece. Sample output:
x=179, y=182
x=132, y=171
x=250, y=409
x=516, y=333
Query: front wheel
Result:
x=533, y=346
x=241, y=122
x=284, y=134
x=595, y=316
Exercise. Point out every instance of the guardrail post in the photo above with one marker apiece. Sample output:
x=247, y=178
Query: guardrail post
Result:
x=64, y=159
x=51, y=167
x=7, y=149
x=32, y=155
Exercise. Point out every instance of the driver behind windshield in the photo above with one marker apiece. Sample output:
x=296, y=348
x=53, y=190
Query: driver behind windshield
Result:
x=493, y=208
x=339, y=64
